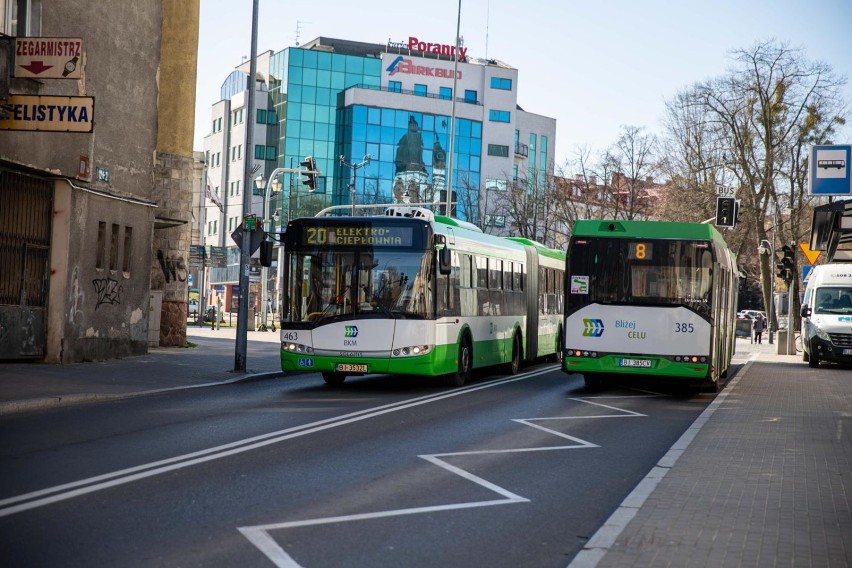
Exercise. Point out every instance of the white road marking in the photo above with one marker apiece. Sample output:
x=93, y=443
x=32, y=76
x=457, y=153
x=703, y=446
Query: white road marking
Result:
x=260, y=537
x=50, y=495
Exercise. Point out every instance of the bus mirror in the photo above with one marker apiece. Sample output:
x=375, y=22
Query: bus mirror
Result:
x=806, y=312
x=445, y=260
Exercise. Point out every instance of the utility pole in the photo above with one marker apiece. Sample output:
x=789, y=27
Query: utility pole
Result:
x=241, y=345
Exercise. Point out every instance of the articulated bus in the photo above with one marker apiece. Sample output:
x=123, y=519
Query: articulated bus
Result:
x=649, y=298
x=414, y=293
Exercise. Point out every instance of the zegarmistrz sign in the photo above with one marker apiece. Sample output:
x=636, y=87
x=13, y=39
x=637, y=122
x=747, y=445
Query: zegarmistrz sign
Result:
x=47, y=113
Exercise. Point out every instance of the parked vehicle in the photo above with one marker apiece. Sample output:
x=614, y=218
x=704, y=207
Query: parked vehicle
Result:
x=750, y=314
x=192, y=308
x=210, y=315
x=827, y=315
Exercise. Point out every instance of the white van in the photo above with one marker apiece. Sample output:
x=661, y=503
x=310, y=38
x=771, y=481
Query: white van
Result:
x=827, y=315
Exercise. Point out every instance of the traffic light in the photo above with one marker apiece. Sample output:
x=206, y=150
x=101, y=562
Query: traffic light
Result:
x=788, y=262
x=726, y=212
x=310, y=173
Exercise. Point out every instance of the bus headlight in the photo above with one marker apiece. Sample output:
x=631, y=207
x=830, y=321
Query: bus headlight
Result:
x=821, y=333
x=411, y=350
x=296, y=347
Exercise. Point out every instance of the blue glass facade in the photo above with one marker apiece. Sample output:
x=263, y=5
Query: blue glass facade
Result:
x=408, y=148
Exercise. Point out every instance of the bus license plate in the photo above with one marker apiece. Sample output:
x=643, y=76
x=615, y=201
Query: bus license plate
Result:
x=847, y=351
x=645, y=363
x=350, y=368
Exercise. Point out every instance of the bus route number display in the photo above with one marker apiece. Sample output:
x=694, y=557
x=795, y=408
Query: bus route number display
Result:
x=360, y=236
x=640, y=251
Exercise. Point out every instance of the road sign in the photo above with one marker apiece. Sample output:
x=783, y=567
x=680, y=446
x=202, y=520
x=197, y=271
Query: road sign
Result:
x=46, y=113
x=811, y=255
x=829, y=170
x=806, y=271
x=49, y=57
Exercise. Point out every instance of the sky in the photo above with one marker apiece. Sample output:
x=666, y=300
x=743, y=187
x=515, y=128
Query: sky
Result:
x=593, y=66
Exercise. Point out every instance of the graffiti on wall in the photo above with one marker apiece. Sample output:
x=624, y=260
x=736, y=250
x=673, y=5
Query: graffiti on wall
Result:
x=173, y=267
x=108, y=291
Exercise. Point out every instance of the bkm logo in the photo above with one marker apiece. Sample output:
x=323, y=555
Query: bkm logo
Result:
x=592, y=328
x=350, y=331
x=392, y=67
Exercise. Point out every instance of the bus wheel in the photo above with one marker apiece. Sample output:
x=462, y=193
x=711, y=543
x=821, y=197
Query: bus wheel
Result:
x=462, y=375
x=515, y=364
x=333, y=379
x=593, y=382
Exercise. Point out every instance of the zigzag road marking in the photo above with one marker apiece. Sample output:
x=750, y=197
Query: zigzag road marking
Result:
x=259, y=535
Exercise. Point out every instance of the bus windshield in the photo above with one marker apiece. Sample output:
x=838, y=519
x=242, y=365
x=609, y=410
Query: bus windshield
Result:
x=640, y=271
x=331, y=283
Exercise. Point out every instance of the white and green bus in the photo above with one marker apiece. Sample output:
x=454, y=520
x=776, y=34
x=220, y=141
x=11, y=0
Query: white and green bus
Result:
x=649, y=298
x=414, y=293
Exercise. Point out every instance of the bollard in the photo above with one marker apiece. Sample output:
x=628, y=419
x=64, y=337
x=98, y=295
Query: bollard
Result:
x=781, y=348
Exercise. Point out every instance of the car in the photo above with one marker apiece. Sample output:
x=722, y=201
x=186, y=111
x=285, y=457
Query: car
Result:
x=750, y=314
x=192, y=308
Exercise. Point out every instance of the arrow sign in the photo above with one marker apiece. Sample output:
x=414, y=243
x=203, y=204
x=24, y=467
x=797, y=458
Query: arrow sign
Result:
x=37, y=67
x=811, y=255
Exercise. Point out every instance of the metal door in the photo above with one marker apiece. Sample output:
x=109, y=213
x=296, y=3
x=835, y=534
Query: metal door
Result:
x=26, y=204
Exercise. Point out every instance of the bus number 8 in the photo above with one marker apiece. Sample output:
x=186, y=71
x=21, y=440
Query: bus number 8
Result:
x=640, y=251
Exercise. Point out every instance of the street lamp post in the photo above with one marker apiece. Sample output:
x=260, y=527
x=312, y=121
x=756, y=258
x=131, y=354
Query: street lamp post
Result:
x=263, y=270
x=367, y=159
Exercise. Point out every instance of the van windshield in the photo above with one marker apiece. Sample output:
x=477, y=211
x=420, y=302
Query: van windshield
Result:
x=833, y=300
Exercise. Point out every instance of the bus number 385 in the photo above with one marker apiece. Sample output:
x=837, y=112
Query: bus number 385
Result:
x=683, y=327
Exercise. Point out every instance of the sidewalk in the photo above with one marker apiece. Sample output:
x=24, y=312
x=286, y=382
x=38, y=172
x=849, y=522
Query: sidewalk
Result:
x=762, y=478
x=30, y=386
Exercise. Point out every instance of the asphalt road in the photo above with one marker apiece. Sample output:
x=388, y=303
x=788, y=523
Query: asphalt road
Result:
x=508, y=471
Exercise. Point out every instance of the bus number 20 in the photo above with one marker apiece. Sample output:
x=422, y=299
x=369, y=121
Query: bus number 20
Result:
x=683, y=327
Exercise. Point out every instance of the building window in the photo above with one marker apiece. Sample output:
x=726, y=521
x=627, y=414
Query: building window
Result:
x=113, y=251
x=445, y=93
x=128, y=242
x=496, y=184
x=271, y=117
x=420, y=90
x=261, y=116
x=499, y=116
x=270, y=152
x=501, y=83
x=515, y=173
x=495, y=220
x=23, y=18
x=469, y=96
x=259, y=151
x=498, y=150
x=395, y=86
x=101, y=250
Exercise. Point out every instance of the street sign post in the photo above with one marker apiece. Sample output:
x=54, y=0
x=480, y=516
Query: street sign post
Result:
x=829, y=170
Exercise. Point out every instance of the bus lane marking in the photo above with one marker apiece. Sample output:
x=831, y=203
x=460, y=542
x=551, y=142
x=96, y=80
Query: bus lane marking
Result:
x=260, y=537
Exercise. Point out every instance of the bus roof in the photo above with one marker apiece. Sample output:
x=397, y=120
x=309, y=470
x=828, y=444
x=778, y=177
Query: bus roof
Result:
x=648, y=230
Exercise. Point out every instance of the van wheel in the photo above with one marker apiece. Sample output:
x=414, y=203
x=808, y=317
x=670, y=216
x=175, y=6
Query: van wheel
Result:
x=813, y=360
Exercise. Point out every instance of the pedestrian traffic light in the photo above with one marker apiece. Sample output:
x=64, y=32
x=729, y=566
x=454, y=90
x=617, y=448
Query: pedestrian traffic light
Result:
x=310, y=173
x=726, y=212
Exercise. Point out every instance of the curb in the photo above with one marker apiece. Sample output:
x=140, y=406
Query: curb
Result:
x=28, y=404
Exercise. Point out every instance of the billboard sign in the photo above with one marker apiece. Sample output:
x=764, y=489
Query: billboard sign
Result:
x=48, y=57
x=829, y=170
x=48, y=113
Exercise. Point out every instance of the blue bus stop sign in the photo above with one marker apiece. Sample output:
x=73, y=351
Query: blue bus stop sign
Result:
x=829, y=170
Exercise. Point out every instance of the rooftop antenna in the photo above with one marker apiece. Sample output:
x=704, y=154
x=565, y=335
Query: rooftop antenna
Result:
x=487, y=20
x=299, y=29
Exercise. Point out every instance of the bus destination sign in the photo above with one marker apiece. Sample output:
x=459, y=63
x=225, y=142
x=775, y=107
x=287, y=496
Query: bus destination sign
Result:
x=360, y=236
